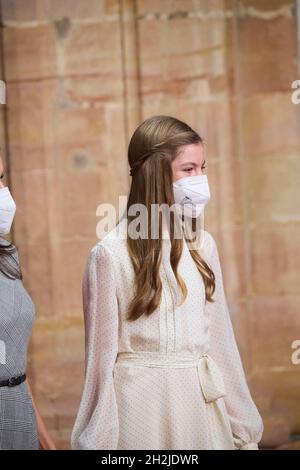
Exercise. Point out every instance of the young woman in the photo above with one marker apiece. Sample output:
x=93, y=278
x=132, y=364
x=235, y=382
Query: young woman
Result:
x=21, y=425
x=162, y=368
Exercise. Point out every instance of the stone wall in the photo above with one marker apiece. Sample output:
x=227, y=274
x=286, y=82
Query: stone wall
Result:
x=80, y=77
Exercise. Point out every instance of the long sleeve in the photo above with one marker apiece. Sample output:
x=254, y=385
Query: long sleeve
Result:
x=246, y=422
x=96, y=426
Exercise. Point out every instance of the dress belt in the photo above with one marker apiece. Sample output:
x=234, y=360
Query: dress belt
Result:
x=209, y=374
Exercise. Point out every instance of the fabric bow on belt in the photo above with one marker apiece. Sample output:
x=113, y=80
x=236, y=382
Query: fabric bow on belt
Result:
x=210, y=378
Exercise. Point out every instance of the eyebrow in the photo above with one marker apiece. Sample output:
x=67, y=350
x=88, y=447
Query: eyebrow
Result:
x=192, y=163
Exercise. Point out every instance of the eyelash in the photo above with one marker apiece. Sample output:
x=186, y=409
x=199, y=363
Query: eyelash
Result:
x=189, y=169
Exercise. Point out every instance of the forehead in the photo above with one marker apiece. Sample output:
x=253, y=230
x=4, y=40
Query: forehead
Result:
x=190, y=153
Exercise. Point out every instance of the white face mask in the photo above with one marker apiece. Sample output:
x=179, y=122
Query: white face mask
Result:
x=192, y=194
x=7, y=210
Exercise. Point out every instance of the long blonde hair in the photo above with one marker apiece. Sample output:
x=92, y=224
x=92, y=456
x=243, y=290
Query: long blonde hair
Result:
x=153, y=146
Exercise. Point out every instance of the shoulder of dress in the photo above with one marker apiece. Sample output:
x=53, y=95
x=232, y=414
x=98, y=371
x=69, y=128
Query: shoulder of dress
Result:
x=99, y=258
x=115, y=239
x=111, y=245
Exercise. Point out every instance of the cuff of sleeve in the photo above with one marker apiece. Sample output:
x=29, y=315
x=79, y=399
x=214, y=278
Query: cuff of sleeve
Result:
x=249, y=446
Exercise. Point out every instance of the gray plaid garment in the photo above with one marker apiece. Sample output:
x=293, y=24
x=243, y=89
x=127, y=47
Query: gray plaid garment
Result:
x=18, y=425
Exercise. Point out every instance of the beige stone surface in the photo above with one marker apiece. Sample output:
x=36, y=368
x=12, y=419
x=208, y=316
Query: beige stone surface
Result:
x=80, y=77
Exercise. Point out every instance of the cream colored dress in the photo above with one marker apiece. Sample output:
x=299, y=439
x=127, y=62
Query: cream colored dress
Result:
x=170, y=381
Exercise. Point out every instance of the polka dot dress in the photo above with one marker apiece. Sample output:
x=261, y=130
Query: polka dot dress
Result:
x=170, y=381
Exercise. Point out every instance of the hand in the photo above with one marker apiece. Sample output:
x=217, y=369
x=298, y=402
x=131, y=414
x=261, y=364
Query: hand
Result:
x=46, y=443
x=45, y=440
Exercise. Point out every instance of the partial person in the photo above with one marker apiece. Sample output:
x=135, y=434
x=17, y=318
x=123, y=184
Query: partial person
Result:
x=162, y=366
x=21, y=424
